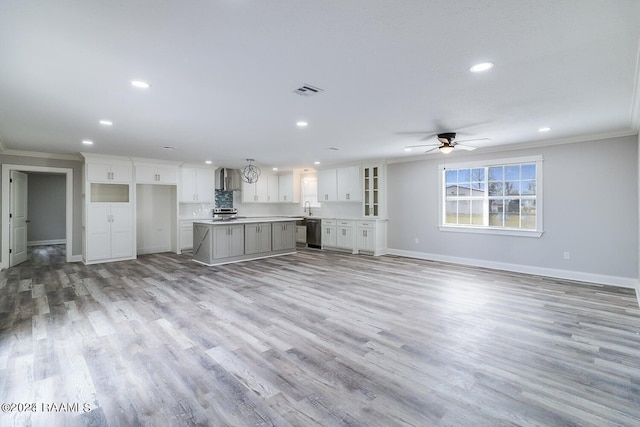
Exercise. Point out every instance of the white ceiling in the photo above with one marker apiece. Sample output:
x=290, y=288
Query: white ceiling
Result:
x=222, y=75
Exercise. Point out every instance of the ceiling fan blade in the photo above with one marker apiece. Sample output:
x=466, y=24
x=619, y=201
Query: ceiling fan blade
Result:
x=422, y=145
x=474, y=140
x=464, y=147
x=432, y=148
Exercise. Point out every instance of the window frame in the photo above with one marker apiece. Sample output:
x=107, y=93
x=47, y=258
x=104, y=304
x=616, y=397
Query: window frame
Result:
x=487, y=229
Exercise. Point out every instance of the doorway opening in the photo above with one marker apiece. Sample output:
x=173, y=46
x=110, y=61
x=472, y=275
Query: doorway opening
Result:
x=13, y=236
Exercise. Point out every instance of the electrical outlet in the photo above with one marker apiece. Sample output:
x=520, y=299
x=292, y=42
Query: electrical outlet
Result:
x=566, y=255
x=416, y=240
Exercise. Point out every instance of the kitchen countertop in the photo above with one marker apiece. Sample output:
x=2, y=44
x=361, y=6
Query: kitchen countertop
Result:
x=250, y=220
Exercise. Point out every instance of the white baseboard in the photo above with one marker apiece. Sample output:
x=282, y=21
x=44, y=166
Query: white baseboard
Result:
x=625, y=282
x=46, y=242
x=76, y=258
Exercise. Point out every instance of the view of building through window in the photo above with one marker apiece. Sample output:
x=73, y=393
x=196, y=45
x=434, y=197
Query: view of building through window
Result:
x=501, y=196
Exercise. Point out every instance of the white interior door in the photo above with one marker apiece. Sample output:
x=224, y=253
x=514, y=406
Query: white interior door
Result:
x=18, y=214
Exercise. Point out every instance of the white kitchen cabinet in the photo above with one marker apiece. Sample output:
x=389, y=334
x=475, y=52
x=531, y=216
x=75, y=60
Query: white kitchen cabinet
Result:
x=160, y=174
x=109, y=232
x=329, y=233
x=228, y=241
x=341, y=185
x=349, y=187
x=374, y=196
x=109, y=172
x=196, y=185
x=372, y=237
x=345, y=234
x=284, y=235
x=109, y=226
x=289, y=187
x=257, y=238
x=248, y=192
x=265, y=190
x=339, y=234
x=327, y=185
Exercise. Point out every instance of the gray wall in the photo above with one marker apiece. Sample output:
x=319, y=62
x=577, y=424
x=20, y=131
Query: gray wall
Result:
x=46, y=207
x=77, y=188
x=590, y=192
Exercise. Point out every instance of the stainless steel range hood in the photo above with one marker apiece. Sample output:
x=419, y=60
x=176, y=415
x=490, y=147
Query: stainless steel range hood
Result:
x=227, y=179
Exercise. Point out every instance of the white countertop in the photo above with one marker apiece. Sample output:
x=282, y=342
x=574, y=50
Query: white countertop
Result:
x=250, y=220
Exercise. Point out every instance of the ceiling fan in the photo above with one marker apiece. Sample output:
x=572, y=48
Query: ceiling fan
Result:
x=446, y=143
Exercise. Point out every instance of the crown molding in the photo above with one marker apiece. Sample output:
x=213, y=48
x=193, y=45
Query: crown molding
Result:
x=41, y=155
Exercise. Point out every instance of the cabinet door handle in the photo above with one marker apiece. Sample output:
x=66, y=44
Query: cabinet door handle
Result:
x=348, y=196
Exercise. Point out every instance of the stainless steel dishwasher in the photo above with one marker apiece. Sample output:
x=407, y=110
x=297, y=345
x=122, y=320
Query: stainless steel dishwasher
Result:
x=314, y=233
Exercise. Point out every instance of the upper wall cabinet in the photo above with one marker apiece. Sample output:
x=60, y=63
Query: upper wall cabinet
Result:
x=148, y=173
x=108, y=172
x=265, y=190
x=340, y=185
x=289, y=187
x=196, y=185
x=327, y=185
x=349, y=184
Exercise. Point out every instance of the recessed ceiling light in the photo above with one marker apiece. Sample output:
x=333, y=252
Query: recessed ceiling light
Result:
x=316, y=163
x=208, y=162
x=87, y=142
x=544, y=129
x=275, y=169
x=483, y=66
x=140, y=84
x=407, y=149
x=302, y=124
x=106, y=122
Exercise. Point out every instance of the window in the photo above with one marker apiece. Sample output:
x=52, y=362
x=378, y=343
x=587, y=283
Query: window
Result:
x=501, y=197
x=310, y=191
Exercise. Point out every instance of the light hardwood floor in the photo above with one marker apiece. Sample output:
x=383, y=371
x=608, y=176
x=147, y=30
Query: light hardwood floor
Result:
x=312, y=339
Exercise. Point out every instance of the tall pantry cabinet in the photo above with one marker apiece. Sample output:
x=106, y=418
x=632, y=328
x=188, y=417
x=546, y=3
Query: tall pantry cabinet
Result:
x=108, y=220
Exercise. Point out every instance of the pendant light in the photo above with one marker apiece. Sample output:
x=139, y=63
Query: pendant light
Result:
x=250, y=173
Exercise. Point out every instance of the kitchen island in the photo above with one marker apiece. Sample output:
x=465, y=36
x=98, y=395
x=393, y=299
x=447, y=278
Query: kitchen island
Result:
x=235, y=240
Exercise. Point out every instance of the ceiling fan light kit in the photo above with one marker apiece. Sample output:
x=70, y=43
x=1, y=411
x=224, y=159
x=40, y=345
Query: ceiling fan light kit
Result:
x=445, y=148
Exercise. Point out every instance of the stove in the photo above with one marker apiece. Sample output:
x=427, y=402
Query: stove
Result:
x=224, y=214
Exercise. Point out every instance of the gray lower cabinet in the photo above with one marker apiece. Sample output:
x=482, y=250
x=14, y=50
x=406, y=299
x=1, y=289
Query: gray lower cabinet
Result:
x=284, y=235
x=216, y=243
x=257, y=238
x=228, y=241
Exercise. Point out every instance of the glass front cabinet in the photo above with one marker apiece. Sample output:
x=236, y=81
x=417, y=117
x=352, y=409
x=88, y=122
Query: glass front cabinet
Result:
x=373, y=176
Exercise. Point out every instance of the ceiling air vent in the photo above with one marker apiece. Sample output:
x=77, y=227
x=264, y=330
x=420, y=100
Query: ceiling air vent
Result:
x=307, y=90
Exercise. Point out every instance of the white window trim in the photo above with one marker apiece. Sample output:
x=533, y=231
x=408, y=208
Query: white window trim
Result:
x=476, y=229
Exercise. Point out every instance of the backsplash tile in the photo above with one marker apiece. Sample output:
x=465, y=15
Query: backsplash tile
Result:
x=224, y=199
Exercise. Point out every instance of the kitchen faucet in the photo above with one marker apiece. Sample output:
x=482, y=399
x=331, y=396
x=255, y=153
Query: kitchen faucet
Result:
x=305, y=207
